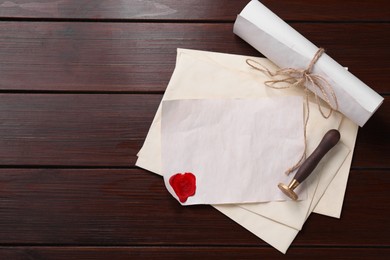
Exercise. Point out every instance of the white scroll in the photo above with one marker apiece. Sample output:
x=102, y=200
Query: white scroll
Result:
x=287, y=48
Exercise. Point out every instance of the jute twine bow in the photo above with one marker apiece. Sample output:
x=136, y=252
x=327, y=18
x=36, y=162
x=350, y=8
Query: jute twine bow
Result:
x=301, y=78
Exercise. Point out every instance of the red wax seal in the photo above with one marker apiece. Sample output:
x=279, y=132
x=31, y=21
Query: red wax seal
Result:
x=184, y=185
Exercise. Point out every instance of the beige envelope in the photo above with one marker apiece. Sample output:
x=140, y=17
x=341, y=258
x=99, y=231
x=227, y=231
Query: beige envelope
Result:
x=206, y=75
x=281, y=236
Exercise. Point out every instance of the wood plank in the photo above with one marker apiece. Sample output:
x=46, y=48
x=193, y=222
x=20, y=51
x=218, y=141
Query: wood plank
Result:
x=373, y=142
x=140, y=57
x=132, y=207
x=180, y=253
x=108, y=130
x=365, y=202
x=222, y=10
x=110, y=69
x=94, y=130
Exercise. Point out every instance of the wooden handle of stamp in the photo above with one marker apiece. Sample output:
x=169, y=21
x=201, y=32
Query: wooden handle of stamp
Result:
x=329, y=140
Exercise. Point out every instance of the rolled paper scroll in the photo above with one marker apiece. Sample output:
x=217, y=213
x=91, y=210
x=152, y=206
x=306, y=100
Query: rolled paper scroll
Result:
x=287, y=48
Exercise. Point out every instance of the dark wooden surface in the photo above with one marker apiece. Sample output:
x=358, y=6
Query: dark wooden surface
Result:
x=80, y=82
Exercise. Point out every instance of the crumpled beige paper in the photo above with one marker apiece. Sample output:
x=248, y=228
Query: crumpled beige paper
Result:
x=237, y=149
x=213, y=75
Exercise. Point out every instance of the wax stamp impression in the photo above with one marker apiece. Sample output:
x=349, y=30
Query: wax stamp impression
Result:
x=184, y=185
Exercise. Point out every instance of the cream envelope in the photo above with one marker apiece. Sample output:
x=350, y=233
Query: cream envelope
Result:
x=262, y=137
x=242, y=83
x=190, y=62
x=278, y=235
x=292, y=213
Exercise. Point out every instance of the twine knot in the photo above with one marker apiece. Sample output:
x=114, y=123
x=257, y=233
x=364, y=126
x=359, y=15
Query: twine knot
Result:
x=302, y=78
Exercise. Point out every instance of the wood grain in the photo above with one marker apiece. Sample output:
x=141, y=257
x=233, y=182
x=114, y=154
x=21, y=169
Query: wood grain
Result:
x=80, y=82
x=140, y=57
x=94, y=130
x=132, y=207
x=108, y=130
x=188, y=252
x=193, y=10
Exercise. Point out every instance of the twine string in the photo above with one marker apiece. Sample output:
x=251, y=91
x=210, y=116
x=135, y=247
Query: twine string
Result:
x=301, y=78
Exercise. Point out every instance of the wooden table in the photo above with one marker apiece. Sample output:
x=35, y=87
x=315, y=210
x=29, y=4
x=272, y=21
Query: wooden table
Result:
x=80, y=83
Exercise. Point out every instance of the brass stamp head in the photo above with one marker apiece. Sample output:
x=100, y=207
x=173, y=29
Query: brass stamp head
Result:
x=288, y=191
